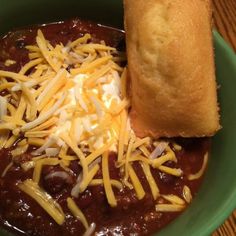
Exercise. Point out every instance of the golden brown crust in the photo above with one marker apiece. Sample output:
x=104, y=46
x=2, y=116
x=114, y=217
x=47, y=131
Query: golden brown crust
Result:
x=171, y=65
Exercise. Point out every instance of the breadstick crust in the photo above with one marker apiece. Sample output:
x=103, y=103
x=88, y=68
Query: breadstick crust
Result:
x=171, y=66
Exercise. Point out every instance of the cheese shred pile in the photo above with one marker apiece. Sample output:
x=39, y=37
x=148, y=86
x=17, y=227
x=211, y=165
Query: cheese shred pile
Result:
x=70, y=102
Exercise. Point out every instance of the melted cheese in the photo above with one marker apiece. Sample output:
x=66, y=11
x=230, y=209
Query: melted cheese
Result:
x=128, y=154
x=201, y=171
x=144, y=150
x=124, y=84
x=77, y=212
x=3, y=107
x=15, y=76
x=169, y=208
x=81, y=40
x=141, y=158
x=114, y=183
x=107, y=182
x=7, y=168
x=136, y=183
x=47, y=124
x=121, y=136
x=19, y=150
x=91, y=66
x=6, y=85
x=11, y=109
x=51, y=89
x=162, y=159
x=39, y=164
x=77, y=150
x=11, y=141
x=4, y=126
x=29, y=65
x=139, y=142
x=9, y=62
x=87, y=179
x=90, y=158
x=174, y=199
x=90, y=230
x=187, y=195
x=43, y=199
x=151, y=181
x=44, y=48
x=3, y=138
x=33, y=105
x=172, y=171
x=45, y=116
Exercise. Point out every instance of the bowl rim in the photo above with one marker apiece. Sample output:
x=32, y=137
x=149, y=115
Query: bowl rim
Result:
x=230, y=205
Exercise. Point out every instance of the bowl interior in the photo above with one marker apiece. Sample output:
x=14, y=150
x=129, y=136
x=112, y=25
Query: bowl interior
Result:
x=217, y=196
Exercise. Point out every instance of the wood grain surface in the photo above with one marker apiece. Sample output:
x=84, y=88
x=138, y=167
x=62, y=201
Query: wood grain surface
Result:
x=224, y=13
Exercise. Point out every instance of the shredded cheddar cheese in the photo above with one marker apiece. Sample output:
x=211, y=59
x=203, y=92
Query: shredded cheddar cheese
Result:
x=39, y=164
x=89, y=178
x=174, y=199
x=151, y=181
x=187, y=195
x=169, y=207
x=70, y=103
x=114, y=183
x=201, y=171
x=107, y=182
x=136, y=183
x=8, y=167
x=77, y=212
x=43, y=199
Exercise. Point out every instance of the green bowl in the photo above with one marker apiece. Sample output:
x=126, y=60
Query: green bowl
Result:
x=217, y=196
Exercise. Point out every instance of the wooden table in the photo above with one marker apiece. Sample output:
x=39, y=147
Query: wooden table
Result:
x=225, y=22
